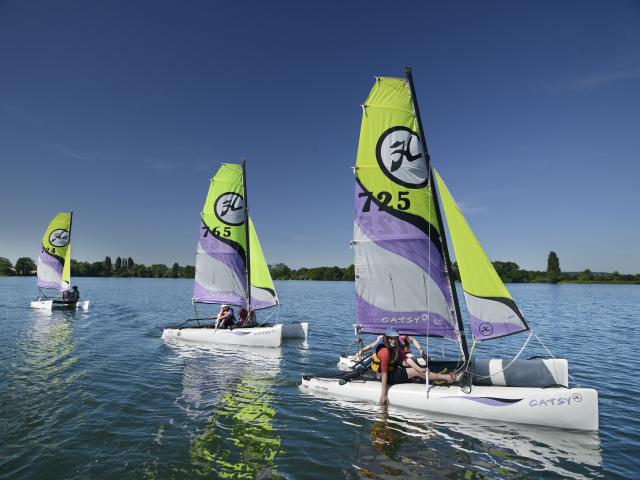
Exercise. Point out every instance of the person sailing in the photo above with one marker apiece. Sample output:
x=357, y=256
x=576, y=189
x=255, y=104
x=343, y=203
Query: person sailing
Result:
x=404, y=345
x=387, y=360
x=71, y=296
x=247, y=320
x=225, y=317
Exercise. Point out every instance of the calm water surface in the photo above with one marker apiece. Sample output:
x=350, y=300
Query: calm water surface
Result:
x=101, y=395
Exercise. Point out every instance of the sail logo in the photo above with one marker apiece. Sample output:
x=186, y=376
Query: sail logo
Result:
x=401, y=158
x=229, y=208
x=485, y=329
x=59, y=237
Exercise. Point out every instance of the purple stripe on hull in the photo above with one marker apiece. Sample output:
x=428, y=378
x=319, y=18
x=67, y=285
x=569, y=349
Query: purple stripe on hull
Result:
x=402, y=238
x=492, y=402
x=482, y=330
x=372, y=319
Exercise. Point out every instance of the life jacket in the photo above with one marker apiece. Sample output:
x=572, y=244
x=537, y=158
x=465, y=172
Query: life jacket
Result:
x=375, y=360
x=404, y=344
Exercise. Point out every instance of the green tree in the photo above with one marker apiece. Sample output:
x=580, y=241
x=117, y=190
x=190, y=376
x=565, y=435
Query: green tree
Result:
x=585, y=276
x=6, y=267
x=24, y=266
x=108, y=266
x=118, y=264
x=130, y=264
x=280, y=271
x=553, y=267
x=175, y=270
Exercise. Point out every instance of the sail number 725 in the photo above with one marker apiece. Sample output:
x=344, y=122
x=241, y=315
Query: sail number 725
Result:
x=385, y=199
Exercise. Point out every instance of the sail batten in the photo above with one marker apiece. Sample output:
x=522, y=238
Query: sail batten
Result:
x=492, y=311
x=401, y=277
x=54, y=260
x=222, y=250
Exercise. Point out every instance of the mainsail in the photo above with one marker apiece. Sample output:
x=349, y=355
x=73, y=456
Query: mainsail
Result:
x=54, y=260
x=221, y=256
x=492, y=311
x=401, y=277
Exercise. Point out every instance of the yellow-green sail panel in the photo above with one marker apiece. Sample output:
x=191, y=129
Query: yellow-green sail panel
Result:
x=221, y=250
x=55, y=255
x=492, y=311
x=66, y=270
x=401, y=277
x=263, y=293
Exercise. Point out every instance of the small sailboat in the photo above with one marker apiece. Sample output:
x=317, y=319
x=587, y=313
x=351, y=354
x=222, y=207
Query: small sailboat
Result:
x=404, y=280
x=54, y=266
x=231, y=268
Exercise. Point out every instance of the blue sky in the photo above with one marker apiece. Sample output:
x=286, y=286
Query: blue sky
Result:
x=123, y=110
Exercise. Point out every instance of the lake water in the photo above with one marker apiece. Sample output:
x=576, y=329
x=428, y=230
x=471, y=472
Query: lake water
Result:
x=99, y=394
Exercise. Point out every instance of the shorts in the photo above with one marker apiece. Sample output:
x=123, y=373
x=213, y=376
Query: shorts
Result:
x=397, y=375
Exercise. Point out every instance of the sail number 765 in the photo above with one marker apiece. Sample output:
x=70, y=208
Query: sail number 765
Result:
x=226, y=232
x=385, y=199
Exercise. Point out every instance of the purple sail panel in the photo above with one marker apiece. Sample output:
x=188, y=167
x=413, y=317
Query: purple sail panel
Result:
x=49, y=271
x=203, y=295
x=220, y=272
x=483, y=330
x=375, y=320
x=402, y=238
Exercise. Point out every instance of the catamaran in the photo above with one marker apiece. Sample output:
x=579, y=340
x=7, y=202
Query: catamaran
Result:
x=54, y=266
x=231, y=268
x=404, y=280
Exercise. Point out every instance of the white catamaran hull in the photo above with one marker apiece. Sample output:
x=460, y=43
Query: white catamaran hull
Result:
x=51, y=305
x=255, y=336
x=569, y=408
x=295, y=330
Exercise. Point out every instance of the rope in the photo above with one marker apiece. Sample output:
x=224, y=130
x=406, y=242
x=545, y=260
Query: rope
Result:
x=504, y=368
x=553, y=356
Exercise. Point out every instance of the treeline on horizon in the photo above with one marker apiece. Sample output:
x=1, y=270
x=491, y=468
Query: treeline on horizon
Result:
x=509, y=272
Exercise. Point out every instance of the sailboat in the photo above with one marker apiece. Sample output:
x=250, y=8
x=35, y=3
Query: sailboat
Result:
x=54, y=265
x=404, y=280
x=231, y=268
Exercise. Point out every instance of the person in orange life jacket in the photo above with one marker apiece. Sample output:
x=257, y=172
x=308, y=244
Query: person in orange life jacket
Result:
x=247, y=320
x=404, y=345
x=225, y=317
x=388, y=359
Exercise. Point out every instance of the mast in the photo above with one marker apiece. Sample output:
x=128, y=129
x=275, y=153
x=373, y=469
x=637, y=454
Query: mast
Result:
x=445, y=249
x=246, y=231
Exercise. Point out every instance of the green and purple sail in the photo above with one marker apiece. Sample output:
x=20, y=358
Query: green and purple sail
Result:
x=402, y=277
x=54, y=260
x=222, y=273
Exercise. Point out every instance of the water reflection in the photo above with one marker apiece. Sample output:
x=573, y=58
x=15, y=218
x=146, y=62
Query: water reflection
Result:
x=37, y=393
x=231, y=390
x=402, y=443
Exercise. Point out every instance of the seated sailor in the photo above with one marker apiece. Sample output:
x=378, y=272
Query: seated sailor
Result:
x=388, y=359
x=71, y=295
x=247, y=319
x=225, y=317
x=404, y=345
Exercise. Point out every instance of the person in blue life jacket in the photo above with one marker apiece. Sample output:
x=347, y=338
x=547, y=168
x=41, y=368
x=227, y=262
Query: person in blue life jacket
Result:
x=225, y=317
x=387, y=360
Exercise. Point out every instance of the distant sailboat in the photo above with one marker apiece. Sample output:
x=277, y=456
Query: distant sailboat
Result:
x=231, y=268
x=404, y=280
x=54, y=266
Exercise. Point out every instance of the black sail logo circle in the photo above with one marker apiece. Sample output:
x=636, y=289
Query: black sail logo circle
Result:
x=400, y=156
x=486, y=329
x=59, y=237
x=229, y=208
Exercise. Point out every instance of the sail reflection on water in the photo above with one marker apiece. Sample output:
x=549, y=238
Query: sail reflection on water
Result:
x=231, y=390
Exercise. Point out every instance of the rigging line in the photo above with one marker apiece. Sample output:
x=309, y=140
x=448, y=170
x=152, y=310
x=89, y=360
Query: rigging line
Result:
x=554, y=357
x=508, y=365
